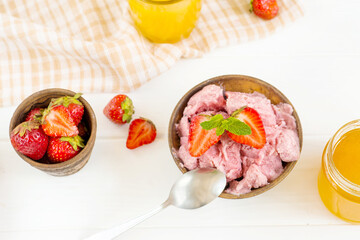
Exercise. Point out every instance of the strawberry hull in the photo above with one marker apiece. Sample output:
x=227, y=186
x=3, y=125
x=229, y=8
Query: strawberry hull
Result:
x=42, y=99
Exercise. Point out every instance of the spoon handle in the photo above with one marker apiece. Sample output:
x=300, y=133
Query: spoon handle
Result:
x=113, y=232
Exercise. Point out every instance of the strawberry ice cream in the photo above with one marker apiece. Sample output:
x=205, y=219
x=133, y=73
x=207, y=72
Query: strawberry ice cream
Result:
x=245, y=167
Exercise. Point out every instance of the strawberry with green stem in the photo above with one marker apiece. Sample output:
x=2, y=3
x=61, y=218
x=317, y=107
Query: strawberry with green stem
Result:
x=120, y=109
x=75, y=107
x=58, y=122
x=62, y=149
x=29, y=139
x=35, y=114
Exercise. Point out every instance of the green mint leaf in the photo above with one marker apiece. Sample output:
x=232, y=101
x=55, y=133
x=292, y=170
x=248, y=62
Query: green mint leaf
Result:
x=220, y=130
x=214, y=122
x=237, y=127
x=230, y=124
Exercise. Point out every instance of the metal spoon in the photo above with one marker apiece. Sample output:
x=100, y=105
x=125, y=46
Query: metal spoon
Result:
x=193, y=189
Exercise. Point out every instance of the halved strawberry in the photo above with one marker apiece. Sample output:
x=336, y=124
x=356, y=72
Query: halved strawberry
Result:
x=57, y=122
x=200, y=140
x=251, y=117
x=73, y=104
x=141, y=131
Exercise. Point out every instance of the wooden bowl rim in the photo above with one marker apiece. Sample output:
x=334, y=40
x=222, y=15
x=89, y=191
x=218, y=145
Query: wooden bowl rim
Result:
x=218, y=80
x=83, y=153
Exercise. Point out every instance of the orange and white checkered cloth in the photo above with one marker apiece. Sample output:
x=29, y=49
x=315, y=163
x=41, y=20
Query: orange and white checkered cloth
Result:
x=92, y=45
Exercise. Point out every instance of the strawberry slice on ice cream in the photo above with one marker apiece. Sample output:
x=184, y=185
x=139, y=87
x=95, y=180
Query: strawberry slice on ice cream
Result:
x=251, y=117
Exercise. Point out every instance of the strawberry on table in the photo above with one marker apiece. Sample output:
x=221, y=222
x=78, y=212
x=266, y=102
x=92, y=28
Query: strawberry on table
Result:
x=35, y=114
x=141, y=131
x=57, y=122
x=74, y=106
x=29, y=139
x=62, y=149
x=251, y=117
x=266, y=9
x=120, y=109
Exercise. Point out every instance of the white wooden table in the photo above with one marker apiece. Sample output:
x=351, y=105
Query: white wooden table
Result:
x=314, y=62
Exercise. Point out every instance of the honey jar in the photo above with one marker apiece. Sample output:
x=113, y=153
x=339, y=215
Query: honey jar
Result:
x=339, y=178
x=165, y=21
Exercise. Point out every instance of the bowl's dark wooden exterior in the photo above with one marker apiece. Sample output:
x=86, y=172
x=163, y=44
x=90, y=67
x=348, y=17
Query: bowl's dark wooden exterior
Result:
x=42, y=99
x=235, y=83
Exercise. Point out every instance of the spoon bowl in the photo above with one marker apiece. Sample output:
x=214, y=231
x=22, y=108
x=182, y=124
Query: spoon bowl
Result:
x=192, y=190
x=197, y=188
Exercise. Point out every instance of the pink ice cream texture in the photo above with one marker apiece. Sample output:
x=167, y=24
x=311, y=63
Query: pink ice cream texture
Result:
x=245, y=167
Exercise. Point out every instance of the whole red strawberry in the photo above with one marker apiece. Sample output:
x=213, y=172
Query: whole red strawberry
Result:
x=266, y=9
x=62, y=149
x=120, y=109
x=141, y=131
x=57, y=122
x=34, y=114
x=74, y=106
x=29, y=139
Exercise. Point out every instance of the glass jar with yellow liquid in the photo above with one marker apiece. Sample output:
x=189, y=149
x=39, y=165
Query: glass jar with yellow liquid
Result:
x=165, y=21
x=339, y=178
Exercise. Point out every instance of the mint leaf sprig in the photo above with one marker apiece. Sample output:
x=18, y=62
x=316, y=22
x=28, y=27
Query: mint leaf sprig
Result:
x=230, y=124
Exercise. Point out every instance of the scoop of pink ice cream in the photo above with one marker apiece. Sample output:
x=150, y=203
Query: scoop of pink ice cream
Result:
x=284, y=117
x=183, y=127
x=210, y=98
x=257, y=101
x=231, y=160
x=267, y=159
x=225, y=156
x=287, y=141
x=210, y=158
x=189, y=161
x=254, y=179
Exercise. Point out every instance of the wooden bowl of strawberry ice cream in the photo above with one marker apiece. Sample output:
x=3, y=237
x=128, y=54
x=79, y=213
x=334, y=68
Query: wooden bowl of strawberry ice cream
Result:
x=42, y=99
x=250, y=171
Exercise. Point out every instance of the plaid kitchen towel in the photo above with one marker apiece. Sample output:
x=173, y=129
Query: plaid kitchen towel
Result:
x=92, y=45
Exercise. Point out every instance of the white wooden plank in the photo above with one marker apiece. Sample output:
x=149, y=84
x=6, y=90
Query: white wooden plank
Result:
x=194, y=233
x=313, y=61
x=118, y=184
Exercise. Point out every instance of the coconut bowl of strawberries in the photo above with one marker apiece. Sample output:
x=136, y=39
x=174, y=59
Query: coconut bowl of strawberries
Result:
x=242, y=126
x=54, y=131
